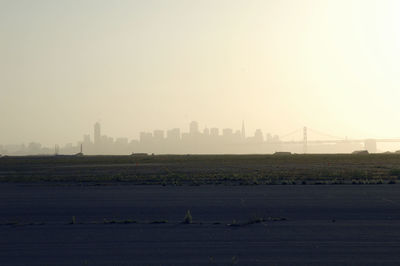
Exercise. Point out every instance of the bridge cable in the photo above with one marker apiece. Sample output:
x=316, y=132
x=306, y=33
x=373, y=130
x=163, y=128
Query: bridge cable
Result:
x=291, y=133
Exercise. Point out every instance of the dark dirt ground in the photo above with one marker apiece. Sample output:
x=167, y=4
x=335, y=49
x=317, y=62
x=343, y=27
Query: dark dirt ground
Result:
x=323, y=225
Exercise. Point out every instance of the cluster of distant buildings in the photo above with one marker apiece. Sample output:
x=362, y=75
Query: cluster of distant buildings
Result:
x=173, y=141
x=35, y=148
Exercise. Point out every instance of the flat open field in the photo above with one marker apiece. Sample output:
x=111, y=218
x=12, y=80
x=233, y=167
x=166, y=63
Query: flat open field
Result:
x=205, y=169
x=123, y=210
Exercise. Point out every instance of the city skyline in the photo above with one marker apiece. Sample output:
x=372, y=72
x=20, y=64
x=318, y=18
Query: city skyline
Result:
x=205, y=140
x=97, y=139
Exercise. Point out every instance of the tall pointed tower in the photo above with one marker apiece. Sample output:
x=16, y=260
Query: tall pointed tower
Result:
x=243, y=131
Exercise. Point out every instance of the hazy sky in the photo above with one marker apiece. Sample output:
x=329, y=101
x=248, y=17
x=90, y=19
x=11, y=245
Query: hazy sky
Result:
x=141, y=65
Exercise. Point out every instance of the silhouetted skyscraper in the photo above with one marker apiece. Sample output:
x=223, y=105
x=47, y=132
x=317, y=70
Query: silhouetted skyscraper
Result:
x=158, y=135
x=258, y=136
x=194, y=128
x=206, y=132
x=86, y=139
x=227, y=132
x=174, y=134
x=214, y=132
x=305, y=140
x=146, y=137
x=243, y=131
x=97, y=133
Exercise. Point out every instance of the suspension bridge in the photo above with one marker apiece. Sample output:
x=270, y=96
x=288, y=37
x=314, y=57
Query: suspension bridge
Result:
x=370, y=144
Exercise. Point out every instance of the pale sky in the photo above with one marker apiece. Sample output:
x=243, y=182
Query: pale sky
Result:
x=333, y=66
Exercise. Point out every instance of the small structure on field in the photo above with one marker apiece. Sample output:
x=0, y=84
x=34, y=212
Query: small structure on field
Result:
x=139, y=154
x=282, y=153
x=360, y=152
x=79, y=153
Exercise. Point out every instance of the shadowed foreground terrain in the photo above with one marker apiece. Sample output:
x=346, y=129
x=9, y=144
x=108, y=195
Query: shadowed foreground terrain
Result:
x=142, y=225
x=246, y=210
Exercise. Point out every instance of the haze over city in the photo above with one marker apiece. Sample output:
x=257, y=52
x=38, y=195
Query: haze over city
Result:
x=137, y=66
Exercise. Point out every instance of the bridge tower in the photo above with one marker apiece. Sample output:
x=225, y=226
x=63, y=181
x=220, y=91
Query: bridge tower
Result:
x=370, y=145
x=305, y=140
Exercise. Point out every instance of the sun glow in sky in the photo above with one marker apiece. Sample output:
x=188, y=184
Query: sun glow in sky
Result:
x=143, y=65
